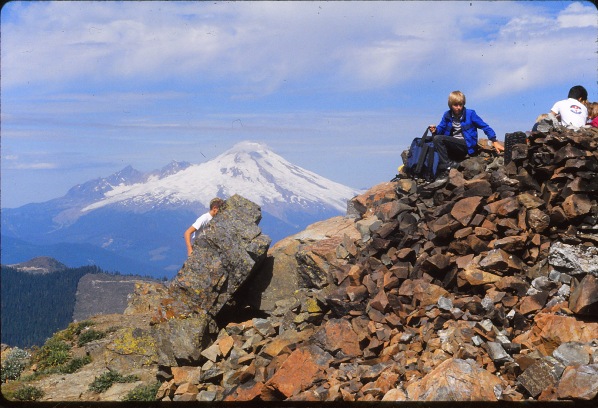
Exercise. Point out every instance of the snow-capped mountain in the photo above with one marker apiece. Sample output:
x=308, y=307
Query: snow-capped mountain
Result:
x=248, y=169
x=143, y=216
x=95, y=189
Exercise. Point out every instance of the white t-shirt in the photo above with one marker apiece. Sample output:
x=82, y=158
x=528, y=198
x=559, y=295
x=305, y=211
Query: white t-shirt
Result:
x=201, y=222
x=572, y=112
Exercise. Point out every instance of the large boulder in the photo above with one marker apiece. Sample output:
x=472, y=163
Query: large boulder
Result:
x=223, y=258
x=303, y=260
x=184, y=313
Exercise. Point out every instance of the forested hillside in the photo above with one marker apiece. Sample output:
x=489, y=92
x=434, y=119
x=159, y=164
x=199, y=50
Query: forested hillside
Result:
x=35, y=306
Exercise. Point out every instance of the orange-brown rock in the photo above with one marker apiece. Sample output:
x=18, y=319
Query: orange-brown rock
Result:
x=504, y=207
x=464, y=210
x=584, y=298
x=550, y=330
x=338, y=335
x=533, y=303
x=367, y=203
x=302, y=367
x=579, y=383
x=455, y=380
x=186, y=374
x=248, y=391
x=577, y=205
x=423, y=292
x=474, y=276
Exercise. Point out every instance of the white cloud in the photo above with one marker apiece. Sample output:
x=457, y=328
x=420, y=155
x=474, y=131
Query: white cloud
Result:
x=578, y=15
x=255, y=48
x=33, y=166
x=527, y=51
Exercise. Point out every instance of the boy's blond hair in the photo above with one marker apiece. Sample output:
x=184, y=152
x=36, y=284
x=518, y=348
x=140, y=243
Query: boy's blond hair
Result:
x=456, y=97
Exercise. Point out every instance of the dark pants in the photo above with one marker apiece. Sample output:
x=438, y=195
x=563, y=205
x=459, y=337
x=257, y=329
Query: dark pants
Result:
x=449, y=147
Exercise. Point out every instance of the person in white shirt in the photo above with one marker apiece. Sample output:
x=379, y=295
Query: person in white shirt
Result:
x=201, y=223
x=572, y=112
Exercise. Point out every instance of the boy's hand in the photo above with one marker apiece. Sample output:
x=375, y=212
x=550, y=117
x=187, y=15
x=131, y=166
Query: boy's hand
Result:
x=498, y=146
x=432, y=128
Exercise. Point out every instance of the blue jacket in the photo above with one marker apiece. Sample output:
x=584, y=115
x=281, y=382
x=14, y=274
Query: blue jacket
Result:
x=470, y=123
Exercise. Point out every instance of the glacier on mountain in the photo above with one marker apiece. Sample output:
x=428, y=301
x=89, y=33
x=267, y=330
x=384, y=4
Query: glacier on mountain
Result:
x=249, y=169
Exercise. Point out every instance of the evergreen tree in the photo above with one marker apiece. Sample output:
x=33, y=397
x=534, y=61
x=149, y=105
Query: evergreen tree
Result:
x=34, y=306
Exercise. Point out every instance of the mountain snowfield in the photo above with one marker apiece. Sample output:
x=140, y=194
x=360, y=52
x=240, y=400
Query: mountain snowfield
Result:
x=249, y=169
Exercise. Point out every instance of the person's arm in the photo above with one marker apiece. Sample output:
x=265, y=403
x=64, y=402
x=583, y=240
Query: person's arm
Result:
x=556, y=111
x=188, y=234
x=480, y=124
x=442, y=126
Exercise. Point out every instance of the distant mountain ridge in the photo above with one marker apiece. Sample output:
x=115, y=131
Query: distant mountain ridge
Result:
x=40, y=265
x=87, y=193
x=141, y=217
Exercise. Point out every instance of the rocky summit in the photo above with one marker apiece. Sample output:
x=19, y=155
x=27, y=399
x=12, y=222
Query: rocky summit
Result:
x=483, y=287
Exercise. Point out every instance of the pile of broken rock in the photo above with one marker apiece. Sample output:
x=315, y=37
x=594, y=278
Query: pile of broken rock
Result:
x=483, y=288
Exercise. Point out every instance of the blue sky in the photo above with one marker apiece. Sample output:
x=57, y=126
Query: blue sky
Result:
x=339, y=88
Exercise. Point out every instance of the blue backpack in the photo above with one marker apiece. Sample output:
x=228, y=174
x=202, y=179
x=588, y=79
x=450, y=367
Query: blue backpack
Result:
x=422, y=159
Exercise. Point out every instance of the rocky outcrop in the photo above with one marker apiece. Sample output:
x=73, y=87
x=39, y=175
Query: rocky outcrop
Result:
x=303, y=260
x=101, y=293
x=223, y=258
x=225, y=255
x=480, y=288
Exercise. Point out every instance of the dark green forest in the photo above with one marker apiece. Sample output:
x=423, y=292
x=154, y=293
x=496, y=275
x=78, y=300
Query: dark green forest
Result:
x=34, y=307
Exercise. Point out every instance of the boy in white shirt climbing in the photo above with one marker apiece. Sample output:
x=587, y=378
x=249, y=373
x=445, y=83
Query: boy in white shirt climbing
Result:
x=201, y=222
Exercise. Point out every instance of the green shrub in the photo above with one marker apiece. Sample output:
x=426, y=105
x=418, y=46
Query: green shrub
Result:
x=74, y=329
x=79, y=327
x=69, y=367
x=90, y=335
x=28, y=393
x=14, y=364
x=143, y=392
x=105, y=381
x=73, y=365
x=55, y=357
x=53, y=353
x=32, y=376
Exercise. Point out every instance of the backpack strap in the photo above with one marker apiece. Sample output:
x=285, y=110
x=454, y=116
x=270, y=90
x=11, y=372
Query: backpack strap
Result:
x=425, y=136
x=422, y=157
